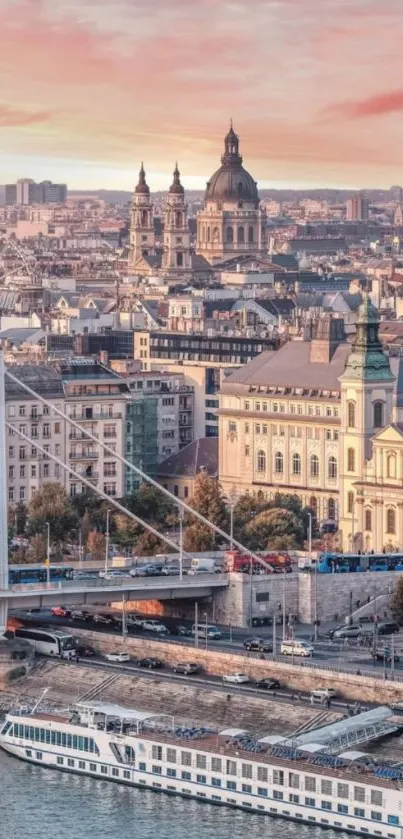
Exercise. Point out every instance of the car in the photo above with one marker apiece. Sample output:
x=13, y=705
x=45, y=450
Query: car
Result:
x=97, y=618
x=138, y=572
x=120, y=657
x=387, y=628
x=187, y=668
x=347, y=632
x=79, y=615
x=385, y=655
x=267, y=684
x=185, y=631
x=259, y=645
x=60, y=612
x=170, y=571
x=109, y=575
x=85, y=651
x=154, y=626
x=236, y=678
x=150, y=663
x=323, y=694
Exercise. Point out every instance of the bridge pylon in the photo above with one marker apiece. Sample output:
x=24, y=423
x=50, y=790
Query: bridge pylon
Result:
x=3, y=501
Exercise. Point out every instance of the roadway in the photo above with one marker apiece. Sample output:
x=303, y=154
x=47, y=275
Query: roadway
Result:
x=345, y=657
x=99, y=590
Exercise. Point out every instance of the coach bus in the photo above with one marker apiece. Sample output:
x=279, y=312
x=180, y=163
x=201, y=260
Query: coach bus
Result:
x=51, y=642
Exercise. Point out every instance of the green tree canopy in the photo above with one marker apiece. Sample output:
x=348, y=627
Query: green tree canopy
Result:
x=51, y=504
x=275, y=523
x=209, y=501
x=396, y=602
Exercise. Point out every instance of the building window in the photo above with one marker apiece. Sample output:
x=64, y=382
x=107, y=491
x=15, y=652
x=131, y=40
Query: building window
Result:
x=247, y=451
x=332, y=467
x=314, y=466
x=391, y=466
x=250, y=235
x=350, y=460
x=368, y=520
x=351, y=414
x=350, y=502
x=261, y=461
x=378, y=414
x=241, y=235
x=246, y=428
x=310, y=784
x=331, y=508
x=296, y=464
x=232, y=427
x=229, y=235
x=391, y=520
x=279, y=463
x=376, y=797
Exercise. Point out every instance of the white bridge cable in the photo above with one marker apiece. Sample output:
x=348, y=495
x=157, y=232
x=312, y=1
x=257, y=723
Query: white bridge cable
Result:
x=108, y=498
x=177, y=501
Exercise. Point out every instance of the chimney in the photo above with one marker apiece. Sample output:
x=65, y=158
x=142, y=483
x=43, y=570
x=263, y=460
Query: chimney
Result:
x=329, y=334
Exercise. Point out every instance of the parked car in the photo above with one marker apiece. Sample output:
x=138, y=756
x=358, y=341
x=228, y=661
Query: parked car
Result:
x=61, y=612
x=354, y=631
x=120, y=657
x=259, y=645
x=105, y=619
x=385, y=655
x=267, y=684
x=236, y=678
x=149, y=663
x=187, y=668
x=154, y=626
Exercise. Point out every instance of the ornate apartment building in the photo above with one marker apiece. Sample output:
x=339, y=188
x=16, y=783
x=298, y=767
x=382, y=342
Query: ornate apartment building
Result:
x=322, y=419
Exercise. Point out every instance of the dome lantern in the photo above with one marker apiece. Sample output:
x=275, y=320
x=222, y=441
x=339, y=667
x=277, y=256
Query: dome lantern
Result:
x=142, y=187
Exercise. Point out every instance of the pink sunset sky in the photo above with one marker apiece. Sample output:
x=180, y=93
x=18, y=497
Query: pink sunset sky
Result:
x=89, y=88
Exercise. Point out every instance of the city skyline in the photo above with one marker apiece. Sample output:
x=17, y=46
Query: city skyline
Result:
x=91, y=89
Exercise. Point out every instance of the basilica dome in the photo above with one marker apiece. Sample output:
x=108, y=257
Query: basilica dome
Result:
x=231, y=182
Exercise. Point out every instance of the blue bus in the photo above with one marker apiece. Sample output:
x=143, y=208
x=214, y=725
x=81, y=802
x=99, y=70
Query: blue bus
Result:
x=19, y=574
x=336, y=563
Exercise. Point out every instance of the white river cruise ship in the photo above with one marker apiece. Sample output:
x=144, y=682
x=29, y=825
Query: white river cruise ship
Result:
x=303, y=782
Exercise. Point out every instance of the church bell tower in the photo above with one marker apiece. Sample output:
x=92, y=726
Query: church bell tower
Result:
x=142, y=236
x=176, y=230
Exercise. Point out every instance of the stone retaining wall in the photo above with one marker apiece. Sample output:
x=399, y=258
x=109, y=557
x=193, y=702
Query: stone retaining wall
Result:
x=299, y=677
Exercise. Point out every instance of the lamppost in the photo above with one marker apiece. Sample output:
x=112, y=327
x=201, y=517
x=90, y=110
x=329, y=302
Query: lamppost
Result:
x=80, y=546
x=48, y=552
x=107, y=540
x=180, y=543
x=315, y=577
x=231, y=500
x=205, y=632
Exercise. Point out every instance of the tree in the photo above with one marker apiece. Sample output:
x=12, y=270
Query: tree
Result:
x=51, y=504
x=275, y=523
x=85, y=527
x=197, y=537
x=396, y=602
x=246, y=508
x=37, y=549
x=96, y=545
x=150, y=504
x=149, y=545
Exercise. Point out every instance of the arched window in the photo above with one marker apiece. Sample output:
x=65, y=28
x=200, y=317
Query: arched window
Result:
x=350, y=502
x=390, y=520
x=313, y=503
x=250, y=235
x=261, y=461
x=350, y=460
x=296, y=464
x=378, y=414
x=367, y=520
x=391, y=466
x=216, y=234
x=144, y=218
x=331, y=508
x=332, y=467
x=208, y=234
x=179, y=260
x=178, y=220
x=314, y=466
x=229, y=234
x=241, y=235
x=351, y=414
x=279, y=463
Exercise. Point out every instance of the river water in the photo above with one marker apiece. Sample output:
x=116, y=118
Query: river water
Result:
x=39, y=803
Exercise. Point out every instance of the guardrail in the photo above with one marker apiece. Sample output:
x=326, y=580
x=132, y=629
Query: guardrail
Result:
x=120, y=583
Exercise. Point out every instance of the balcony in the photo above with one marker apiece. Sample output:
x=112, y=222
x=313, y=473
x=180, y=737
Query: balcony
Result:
x=93, y=477
x=96, y=416
x=75, y=435
x=84, y=455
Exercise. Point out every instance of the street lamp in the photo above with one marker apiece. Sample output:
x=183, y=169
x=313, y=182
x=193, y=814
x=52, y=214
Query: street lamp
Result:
x=315, y=577
x=108, y=512
x=48, y=553
x=231, y=501
x=80, y=546
x=180, y=543
x=205, y=616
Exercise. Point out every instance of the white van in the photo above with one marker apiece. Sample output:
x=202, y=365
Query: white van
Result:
x=206, y=630
x=296, y=647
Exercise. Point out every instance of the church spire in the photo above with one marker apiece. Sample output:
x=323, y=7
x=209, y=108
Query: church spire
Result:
x=142, y=186
x=231, y=148
x=367, y=360
x=176, y=187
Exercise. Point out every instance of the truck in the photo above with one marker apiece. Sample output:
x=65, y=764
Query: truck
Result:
x=278, y=562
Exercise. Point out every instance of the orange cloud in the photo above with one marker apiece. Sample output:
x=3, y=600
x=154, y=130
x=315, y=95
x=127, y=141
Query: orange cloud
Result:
x=373, y=106
x=14, y=117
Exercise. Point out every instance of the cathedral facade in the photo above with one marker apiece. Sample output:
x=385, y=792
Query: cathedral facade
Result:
x=231, y=224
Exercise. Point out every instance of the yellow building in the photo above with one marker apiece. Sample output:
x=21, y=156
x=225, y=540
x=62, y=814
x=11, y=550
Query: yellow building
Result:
x=321, y=419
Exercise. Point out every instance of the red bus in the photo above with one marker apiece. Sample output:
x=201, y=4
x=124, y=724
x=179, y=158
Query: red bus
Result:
x=279, y=563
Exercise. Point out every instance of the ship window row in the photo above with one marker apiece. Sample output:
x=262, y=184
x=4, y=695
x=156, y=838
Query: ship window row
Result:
x=81, y=764
x=55, y=738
